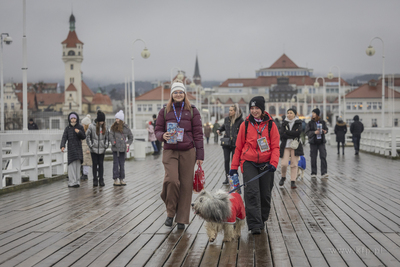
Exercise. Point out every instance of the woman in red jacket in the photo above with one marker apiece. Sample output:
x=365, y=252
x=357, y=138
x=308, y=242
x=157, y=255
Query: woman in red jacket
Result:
x=180, y=154
x=256, y=151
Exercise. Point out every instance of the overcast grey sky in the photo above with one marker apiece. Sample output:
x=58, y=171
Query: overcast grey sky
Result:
x=232, y=38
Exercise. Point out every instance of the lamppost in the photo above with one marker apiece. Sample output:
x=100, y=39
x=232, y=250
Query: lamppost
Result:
x=316, y=85
x=24, y=72
x=202, y=93
x=145, y=54
x=370, y=52
x=330, y=76
x=7, y=40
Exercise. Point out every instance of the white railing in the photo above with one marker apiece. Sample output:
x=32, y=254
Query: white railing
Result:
x=31, y=154
x=37, y=152
x=381, y=141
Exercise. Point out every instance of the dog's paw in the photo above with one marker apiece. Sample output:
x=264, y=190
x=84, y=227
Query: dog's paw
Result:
x=211, y=239
x=228, y=239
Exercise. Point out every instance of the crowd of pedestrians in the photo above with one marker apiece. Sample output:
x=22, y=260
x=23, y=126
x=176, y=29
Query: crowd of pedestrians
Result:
x=255, y=144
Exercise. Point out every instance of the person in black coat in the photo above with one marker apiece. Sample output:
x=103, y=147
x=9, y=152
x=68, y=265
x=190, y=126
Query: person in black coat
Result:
x=74, y=134
x=317, y=140
x=32, y=125
x=291, y=129
x=340, y=131
x=231, y=127
x=356, y=128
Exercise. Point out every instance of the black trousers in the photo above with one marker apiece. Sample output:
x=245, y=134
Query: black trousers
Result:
x=356, y=142
x=257, y=195
x=338, y=146
x=97, y=165
x=215, y=138
x=227, y=157
x=322, y=155
x=158, y=144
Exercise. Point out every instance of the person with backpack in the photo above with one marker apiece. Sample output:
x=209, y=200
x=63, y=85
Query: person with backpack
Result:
x=231, y=127
x=257, y=150
x=290, y=133
x=179, y=126
x=121, y=138
x=356, y=128
x=73, y=134
x=97, y=140
x=316, y=130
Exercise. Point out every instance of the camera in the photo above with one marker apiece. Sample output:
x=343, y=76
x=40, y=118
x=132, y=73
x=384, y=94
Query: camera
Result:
x=8, y=40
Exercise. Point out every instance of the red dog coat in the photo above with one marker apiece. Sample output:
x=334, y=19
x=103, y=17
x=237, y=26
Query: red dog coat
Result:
x=237, y=208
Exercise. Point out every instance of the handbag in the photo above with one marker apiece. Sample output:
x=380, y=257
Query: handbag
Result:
x=294, y=144
x=225, y=141
x=199, y=179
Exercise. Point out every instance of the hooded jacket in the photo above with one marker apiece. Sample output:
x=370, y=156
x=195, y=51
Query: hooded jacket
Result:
x=118, y=140
x=357, y=127
x=291, y=134
x=98, y=143
x=340, y=131
x=74, y=145
x=312, y=127
x=232, y=131
x=193, y=130
x=247, y=148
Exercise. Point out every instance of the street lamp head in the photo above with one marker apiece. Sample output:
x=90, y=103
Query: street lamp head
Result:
x=192, y=85
x=330, y=75
x=180, y=76
x=370, y=50
x=145, y=53
x=8, y=40
x=316, y=84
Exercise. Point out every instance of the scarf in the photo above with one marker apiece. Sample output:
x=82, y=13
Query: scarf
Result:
x=291, y=123
x=73, y=124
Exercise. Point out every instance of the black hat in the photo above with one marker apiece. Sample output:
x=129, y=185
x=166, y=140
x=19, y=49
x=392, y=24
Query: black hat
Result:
x=30, y=119
x=100, y=116
x=258, y=101
x=292, y=109
x=316, y=111
x=154, y=116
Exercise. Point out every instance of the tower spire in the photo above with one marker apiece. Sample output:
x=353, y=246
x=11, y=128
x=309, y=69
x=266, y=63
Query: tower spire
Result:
x=196, y=75
x=72, y=22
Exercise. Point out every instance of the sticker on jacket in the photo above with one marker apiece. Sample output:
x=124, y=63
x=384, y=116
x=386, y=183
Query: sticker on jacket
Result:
x=263, y=144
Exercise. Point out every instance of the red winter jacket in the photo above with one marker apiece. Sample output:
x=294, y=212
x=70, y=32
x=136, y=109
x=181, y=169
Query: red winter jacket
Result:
x=237, y=208
x=248, y=150
x=193, y=130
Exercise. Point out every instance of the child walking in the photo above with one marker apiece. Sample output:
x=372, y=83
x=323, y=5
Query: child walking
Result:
x=119, y=133
x=87, y=159
x=74, y=134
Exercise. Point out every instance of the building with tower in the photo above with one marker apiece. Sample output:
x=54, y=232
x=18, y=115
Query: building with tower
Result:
x=196, y=75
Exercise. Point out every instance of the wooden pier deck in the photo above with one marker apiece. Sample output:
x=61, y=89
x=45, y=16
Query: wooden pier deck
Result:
x=350, y=219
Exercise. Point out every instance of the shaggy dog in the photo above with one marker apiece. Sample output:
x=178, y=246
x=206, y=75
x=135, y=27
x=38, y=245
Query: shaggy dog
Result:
x=222, y=212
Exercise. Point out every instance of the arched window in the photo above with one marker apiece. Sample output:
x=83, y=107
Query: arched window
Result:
x=71, y=53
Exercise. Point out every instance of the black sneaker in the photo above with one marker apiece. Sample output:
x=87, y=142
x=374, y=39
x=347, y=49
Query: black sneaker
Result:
x=255, y=231
x=168, y=221
x=293, y=185
x=181, y=226
x=282, y=181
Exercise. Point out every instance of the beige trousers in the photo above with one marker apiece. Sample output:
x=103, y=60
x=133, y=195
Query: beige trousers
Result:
x=294, y=160
x=178, y=183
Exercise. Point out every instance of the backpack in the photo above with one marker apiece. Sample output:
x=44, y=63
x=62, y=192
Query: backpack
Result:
x=270, y=122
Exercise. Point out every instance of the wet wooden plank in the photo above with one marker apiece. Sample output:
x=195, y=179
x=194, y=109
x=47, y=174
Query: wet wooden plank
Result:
x=196, y=252
x=246, y=249
x=212, y=253
x=147, y=251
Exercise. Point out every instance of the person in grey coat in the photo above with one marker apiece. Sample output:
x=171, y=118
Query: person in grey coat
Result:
x=119, y=133
x=73, y=133
x=97, y=140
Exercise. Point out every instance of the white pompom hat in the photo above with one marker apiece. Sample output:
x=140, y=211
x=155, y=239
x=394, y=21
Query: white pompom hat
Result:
x=178, y=86
x=120, y=115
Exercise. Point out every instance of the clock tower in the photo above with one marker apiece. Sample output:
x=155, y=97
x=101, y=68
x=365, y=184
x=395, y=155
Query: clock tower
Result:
x=72, y=49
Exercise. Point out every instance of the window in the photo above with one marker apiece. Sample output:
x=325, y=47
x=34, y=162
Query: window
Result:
x=70, y=95
x=396, y=122
x=72, y=66
x=12, y=105
x=348, y=106
x=71, y=80
x=360, y=106
x=55, y=124
x=254, y=91
x=139, y=107
x=70, y=105
x=369, y=105
x=373, y=122
x=79, y=53
x=71, y=53
x=5, y=105
x=144, y=107
x=150, y=107
x=349, y=121
x=158, y=107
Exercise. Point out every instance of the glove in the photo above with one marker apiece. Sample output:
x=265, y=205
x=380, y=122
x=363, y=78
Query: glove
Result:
x=232, y=172
x=271, y=168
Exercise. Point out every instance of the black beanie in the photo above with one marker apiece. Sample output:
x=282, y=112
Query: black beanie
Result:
x=100, y=116
x=294, y=111
x=316, y=111
x=258, y=101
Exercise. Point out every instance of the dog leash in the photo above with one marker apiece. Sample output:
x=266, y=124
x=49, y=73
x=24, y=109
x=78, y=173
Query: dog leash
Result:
x=253, y=179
